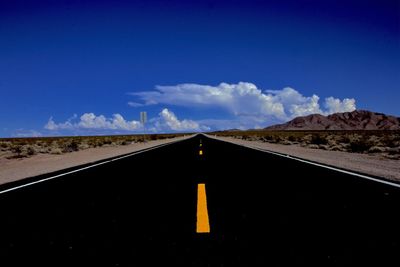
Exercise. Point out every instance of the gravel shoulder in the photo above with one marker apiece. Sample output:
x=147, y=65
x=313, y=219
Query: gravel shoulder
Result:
x=17, y=169
x=375, y=165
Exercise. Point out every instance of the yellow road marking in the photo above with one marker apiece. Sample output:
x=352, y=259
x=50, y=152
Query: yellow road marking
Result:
x=203, y=225
x=201, y=152
x=201, y=144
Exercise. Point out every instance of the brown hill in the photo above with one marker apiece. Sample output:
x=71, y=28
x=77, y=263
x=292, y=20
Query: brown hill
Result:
x=356, y=120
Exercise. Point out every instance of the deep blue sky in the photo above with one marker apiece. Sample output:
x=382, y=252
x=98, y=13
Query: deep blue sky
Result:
x=59, y=58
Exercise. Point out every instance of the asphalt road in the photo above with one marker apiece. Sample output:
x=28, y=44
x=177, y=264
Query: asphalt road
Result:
x=264, y=210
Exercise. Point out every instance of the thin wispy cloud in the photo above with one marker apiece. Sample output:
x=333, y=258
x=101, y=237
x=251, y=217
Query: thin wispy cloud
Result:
x=27, y=133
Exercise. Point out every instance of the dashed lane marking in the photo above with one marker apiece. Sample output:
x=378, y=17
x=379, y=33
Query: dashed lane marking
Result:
x=203, y=224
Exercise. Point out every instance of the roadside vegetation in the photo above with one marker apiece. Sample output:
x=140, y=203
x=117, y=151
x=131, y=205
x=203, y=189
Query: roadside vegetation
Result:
x=386, y=143
x=27, y=147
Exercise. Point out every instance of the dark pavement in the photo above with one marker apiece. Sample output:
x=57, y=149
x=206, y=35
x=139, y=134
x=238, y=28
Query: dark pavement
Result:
x=264, y=210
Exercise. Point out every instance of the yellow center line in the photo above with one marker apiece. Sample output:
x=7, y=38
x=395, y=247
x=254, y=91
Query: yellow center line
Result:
x=203, y=225
x=201, y=152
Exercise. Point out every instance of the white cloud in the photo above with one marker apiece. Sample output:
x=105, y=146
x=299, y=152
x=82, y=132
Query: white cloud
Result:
x=245, y=100
x=239, y=99
x=295, y=104
x=173, y=123
x=334, y=105
x=166, y=121
x=246, y=107
x=91, y=121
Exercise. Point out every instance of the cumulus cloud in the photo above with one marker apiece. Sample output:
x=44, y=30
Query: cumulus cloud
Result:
x=169, y=118
x=245, y=105
x=166, y=121
x=245, y=100
x=240, y=99
x=91, y=121
x=334, y=105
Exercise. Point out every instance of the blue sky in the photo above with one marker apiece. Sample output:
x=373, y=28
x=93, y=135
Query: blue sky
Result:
x=90, y=67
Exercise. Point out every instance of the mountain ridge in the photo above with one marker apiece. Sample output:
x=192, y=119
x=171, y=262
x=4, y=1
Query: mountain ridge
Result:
x=355, y=120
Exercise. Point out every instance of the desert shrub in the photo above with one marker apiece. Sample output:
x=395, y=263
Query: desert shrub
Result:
x=31, y=151
x=292, y=138
x=95, y=142
x=107, y=141
x=317, y=139
x=359, y=145
x=40, y=144
x=389, y=141
x=394, y=150
x=376, y=149
x=17, y=150
x=21, y=143
x=71, y=146
x=55, y=150
x=345, y=139
x=4, y=145
x=266, y=138
x=277, y=139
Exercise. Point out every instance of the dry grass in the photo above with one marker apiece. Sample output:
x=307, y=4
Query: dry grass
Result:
x=386, y=143
x=27, y=147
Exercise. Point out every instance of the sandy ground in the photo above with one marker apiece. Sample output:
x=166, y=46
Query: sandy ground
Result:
x=364, y=163
x=17, y=169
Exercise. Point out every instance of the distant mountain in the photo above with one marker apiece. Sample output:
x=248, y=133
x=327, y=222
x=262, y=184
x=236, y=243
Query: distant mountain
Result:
x=356, y=120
